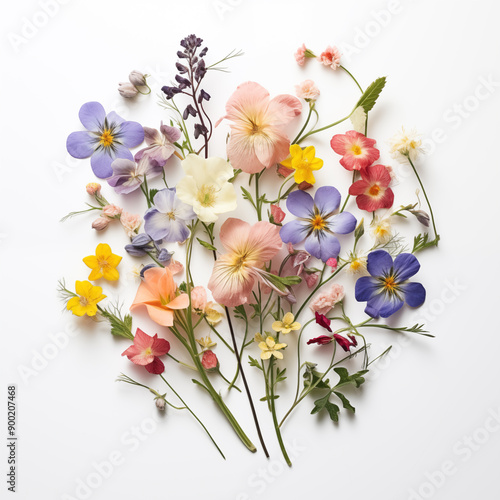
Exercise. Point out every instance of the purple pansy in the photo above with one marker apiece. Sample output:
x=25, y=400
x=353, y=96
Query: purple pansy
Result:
x=387, y=289
x=168, y=219
x=107, y=137
x=160, y=145
x=128, y=176
x=317, y=222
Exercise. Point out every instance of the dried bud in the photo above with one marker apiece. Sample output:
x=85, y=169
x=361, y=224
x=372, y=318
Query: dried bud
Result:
x=277, y=214
x=100, y=223
x=422, y=217
x=161, y=402
x=127, y=90
x=137, y=79
x=209, y=360
x=93, y=188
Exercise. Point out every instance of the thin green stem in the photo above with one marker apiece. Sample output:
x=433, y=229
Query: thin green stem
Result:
x=311, y=107
x=326, y=127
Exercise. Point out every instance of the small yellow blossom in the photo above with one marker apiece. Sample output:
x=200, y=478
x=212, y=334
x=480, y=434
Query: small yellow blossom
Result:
x=287, y=325
x=103, y=263
x=271, y=348
x=86, y=302
x=206, y=342
x=213, y=313
x=304, y=162
x=259, y=338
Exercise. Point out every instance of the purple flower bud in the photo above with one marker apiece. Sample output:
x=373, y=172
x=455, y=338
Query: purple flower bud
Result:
x=199, y=129
x=183, y=82
x=170, y=91
x=181, y=55
x=203, y=96
x=189, y=111
x=180, y=68
x=164, y=255
x=203, y=53
x=422, y=217
x=201, y=71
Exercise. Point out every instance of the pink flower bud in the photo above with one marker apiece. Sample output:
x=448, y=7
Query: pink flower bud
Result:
x=198, y=299
x=277, y=214
x=331, y=262
x=112, y=211
x=137, y=78
x=93, y=188
x=209, y=360
x=127, y=90
x=100, y=223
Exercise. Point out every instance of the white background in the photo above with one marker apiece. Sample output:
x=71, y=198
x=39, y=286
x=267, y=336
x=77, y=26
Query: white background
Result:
x=418, y=407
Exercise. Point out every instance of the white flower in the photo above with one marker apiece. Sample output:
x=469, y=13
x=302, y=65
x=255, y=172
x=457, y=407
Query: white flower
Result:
x=381, y=229
x=356, y=264
x=358, y=119
x=206, y=188
x=406, y=145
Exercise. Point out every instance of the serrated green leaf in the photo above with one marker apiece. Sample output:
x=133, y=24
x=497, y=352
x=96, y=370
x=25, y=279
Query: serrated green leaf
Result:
x=206, y=245
x=254, y=362
x=325, y=404
x=313, y=377
x=152, y=193
x=345, y=402
x=370, y=95
x=357, y=378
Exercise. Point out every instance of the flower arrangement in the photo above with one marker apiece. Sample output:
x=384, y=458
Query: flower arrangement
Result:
x=273, y=277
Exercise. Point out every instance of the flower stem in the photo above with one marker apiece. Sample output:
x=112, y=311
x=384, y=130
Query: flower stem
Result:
x=311, y=107
x=325, y=127
x=194, y=415
x=436, y=235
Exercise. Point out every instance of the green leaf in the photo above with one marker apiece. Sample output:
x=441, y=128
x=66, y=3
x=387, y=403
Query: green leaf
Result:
x=268, y=398
x=120, y=326
x=254, y=362
x=313, y=377
x=280, y=375
x=357, y=378
x=345, y=402
x=370, y=95
x=247, y=196
x=421, y=241
x=152, y=193
x=324, y=403
x=206, y=245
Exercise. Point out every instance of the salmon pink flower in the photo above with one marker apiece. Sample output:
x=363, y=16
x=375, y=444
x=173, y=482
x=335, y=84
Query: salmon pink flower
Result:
x=209, y=360
x=372, y=191
x=357, y=150
x=146, y=350
x=307, y=90
x=330, y=57
x=158, y=293
x=326, y=300
x=249, y=248
x=258, y=139
x=302, y=53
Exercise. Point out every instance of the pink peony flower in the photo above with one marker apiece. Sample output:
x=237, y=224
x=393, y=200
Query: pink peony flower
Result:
x=330, y=57
x=300, y=55
x=112, y=211
x=198, y=298
x=357, y=150
x=209, y=360
x=307, y=90
x=325, y=301
x=146, y=350
x=277, y=214
x=258, y=139
x=100, y=223
x=131, y=223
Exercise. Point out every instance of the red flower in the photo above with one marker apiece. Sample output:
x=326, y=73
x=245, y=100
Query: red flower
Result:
x=322, y=340
x=145, y=351
x=323, y=321
x=346, y=344
x=372, y=191
x=357, y=150
x=209, y=360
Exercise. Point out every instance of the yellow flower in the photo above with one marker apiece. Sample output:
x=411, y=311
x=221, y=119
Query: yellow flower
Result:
x=259, y=338
x=271, y=348
x=103, y=263
x=213, y=314
x=86, y=302
x=303, y=162
x=206, y=342
x=287, y=325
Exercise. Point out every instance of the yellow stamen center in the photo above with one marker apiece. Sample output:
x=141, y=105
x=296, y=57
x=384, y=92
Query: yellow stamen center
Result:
x=355, y=265
x=206, y=196
x=356, y=150
x=106, y=138
x=390, y=283
x=374, y=190
x=318, y=223
x=171, y=215
x=148, y=352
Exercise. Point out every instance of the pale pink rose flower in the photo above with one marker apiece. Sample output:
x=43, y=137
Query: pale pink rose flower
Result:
x=325, y=301
x=112, y=211
x=131, y=223
x=300, y=55
x=93, y=188
x=198, y=299
x=330, y=57
x=100, y=223
x=307, y=90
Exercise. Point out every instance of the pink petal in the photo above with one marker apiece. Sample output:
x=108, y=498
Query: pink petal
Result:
x=142, y=340
x=160, y=347
x=241, y=153
x=284, y=108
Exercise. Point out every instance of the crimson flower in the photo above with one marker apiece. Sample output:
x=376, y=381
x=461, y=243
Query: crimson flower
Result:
x=146, y=350
x=321, y=340
x=372, y=191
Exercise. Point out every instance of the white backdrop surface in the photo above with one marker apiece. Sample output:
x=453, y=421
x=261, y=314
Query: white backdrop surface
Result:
x=427, y=421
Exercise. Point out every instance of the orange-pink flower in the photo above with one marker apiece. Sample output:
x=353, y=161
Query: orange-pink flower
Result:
x=158, y=293
x=258, y=139
x=249, y=248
